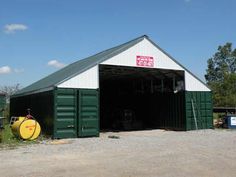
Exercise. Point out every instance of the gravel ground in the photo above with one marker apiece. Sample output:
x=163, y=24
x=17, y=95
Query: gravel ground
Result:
x=205, y=153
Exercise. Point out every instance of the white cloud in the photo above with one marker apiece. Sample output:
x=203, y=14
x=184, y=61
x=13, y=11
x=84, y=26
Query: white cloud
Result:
x=187, y=1
x=9, y=70
x=5, y=70
x=12, y=28
x=56, y=64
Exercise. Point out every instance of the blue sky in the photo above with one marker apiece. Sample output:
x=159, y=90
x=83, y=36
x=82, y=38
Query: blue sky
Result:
x=39, y=36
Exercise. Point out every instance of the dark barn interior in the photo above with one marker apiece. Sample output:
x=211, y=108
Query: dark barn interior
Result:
x=133, y=98
x=41, y=106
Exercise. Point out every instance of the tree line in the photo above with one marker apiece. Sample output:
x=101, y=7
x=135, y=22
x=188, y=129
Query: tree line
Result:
x=221, y=76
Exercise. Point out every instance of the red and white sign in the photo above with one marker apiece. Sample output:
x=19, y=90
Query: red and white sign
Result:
x=145, y=61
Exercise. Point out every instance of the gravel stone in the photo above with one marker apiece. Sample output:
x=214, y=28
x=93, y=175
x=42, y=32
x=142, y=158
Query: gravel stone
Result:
x=201, y=153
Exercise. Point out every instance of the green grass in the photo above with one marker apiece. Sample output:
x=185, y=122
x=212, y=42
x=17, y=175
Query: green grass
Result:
x=9, y=141
x=7, y=136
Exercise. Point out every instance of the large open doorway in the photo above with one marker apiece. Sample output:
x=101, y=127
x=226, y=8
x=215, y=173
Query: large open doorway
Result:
x=134, y=98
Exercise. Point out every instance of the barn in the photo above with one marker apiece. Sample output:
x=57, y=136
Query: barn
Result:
x=133, y=86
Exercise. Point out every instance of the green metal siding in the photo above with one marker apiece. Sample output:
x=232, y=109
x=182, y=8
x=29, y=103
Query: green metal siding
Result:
x=168, y=110
x=65, y=121
x=202, y=102
x=2, y=104
x=88, y=108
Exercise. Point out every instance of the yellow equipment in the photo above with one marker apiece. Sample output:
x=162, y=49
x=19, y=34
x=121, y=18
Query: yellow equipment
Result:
x=26, y=128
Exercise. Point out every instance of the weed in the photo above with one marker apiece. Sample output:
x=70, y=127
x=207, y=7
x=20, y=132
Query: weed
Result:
x=9, y=141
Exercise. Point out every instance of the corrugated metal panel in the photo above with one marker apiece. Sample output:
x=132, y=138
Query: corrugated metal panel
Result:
x=88, y=112
x=65, y=122
x=202, y=104
x=2, y=104
x=87, y=79
x=168, y=110
x=193, y=84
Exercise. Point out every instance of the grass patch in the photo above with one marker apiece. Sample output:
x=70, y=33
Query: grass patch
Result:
x=9, y=141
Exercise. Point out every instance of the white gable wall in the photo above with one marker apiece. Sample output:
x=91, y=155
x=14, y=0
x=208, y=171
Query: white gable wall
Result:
x=87, y=79
x=144, y=48
x=90, y=78
x=193, y=84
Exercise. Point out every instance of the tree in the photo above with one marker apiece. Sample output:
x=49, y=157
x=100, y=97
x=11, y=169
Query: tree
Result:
x=221, y=76
x=9, y=90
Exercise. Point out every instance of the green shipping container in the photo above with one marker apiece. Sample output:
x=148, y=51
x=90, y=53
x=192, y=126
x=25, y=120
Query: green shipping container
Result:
x=76, y=113
x=199, y=103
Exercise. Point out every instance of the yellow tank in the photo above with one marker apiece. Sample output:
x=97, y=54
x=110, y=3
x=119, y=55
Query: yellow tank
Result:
x=27, y=129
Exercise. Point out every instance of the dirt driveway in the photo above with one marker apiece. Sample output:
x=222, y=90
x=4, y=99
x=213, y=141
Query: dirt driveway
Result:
x=205, y=153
